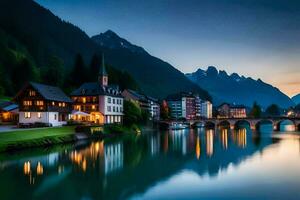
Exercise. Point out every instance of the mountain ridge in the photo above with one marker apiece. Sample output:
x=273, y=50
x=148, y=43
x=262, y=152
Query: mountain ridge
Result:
x=234, y=88
x=296, y=99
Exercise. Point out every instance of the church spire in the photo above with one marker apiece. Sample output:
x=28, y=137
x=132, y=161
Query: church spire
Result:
x=103, y=76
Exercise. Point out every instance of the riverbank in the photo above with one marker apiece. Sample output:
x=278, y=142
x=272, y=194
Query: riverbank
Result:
x=40, y=137
x=20, y=139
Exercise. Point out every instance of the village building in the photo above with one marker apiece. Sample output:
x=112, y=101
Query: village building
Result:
x=145, y=102
x=182, y=105
x=9, y=112
x=226, y=110
x=203, y=108
x=98, y=102
x=39, y=103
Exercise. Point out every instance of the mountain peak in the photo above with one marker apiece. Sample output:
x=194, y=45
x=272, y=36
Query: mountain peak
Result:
x=109, y=39
x=237, y=88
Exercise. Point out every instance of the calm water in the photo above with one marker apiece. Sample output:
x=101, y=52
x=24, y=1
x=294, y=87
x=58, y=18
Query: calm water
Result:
x=190, y=164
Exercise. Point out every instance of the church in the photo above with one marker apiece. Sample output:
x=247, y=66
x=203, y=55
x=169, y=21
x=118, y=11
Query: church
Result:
x=98, y=102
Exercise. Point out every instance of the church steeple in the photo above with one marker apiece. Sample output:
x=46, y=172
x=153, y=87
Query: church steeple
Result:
x=103, y=77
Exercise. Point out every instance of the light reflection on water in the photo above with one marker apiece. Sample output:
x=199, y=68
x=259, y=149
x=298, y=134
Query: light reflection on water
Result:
x=172, y=164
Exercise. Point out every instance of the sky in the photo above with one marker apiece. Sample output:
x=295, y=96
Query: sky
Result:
x=257, y=38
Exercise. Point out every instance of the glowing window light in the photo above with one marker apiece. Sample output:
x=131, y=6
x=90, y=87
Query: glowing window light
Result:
x=39, y=169
x=26, y=168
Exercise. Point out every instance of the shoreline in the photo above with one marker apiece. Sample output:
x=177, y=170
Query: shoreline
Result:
x=20, y=139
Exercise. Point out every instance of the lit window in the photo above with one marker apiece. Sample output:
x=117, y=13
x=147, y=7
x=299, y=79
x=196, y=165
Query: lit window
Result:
x=63, y=104
x=31, y=93
x=39, y=115
x=83, y=100
x=27, y=115
x=39, y=103
x=59, y=104
x=53, y=103
x=27, y=103
x=93, y=107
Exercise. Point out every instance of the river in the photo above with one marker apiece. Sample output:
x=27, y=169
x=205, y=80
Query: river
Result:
x=183, y=164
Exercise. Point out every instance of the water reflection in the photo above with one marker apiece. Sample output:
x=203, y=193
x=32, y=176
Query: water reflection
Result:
x=209, y=142
x=124, y=167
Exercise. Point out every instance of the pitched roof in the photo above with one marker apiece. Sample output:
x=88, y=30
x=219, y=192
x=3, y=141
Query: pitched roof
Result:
x=51, y=93
x=95, y=89
x=141, y=97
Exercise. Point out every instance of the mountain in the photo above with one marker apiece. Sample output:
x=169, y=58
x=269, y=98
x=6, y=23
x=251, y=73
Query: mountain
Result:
x=296, y=99
x=238, y=89
x=156, y=76
x=41, y=35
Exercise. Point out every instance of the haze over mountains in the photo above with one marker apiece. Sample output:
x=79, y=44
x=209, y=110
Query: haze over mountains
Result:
x=238, y=89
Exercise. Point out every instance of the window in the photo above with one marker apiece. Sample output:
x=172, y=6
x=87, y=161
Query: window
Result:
x=83, y=100
x=27, y=103
x=55, y=117
x=114, y=109
x=94, y=99
x=113, y=101
x=53, y=103
x=93, y=107
x=108, y=100
x=32, y=93
x=39, y=115
x=117, y=109
x=39, y=103
x=63, y=104
x=27, y=115
x=108, y=108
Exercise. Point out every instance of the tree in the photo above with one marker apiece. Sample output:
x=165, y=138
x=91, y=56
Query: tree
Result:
x=94, y=68
x=24, y=72
x=79, y=74
x=256, y=111
x=132, y=113
x=164, y=110
x=273, y=110
x=53, y=73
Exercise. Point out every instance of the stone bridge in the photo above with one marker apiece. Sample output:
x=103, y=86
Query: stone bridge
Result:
x=232, y=123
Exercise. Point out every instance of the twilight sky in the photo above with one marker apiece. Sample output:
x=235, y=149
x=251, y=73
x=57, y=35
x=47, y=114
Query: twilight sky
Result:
x=257, y=38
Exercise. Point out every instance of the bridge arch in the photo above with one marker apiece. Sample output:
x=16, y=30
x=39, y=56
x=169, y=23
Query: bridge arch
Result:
x=263, y=122
x=242, y=122
x=210, y=124
x=292, y=125
x=223, y=124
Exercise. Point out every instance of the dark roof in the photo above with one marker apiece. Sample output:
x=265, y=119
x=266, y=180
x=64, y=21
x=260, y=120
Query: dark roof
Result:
x=95, y=89
x=237, y=106
x=141, y=97
x=51, y=93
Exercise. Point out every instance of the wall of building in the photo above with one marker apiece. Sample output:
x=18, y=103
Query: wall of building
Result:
x=112, y=108
x=46, y=117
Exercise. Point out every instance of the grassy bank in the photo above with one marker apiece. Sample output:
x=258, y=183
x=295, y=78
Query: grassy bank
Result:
x=36, y=137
